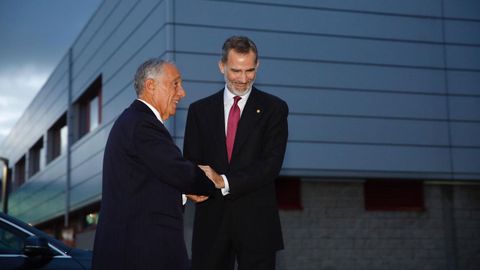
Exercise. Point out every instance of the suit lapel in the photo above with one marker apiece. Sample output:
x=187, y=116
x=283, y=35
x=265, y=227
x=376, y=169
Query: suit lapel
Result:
x=251, y=114
x=139, y=106
x=218, y=120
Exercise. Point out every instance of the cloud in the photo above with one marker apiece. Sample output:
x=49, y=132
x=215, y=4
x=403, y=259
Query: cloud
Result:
x=32, y=46
x=26, y=79
x=7, y=120
x=18, y=86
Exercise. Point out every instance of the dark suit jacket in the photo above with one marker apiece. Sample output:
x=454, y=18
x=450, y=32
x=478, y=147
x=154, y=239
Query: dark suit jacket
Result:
x=144, y=175
x=251, y=208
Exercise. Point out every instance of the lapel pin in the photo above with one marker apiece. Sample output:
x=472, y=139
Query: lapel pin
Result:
x=258, y=110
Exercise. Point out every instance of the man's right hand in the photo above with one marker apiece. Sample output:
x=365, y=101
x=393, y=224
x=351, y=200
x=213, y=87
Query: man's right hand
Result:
x=197, y=198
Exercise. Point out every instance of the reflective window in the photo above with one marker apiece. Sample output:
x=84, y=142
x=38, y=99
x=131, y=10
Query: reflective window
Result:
x=63, y=140
x=19, y=173
x=88, y=113
x=57, y=139
x=94, y=113
x=36, y=158
x=11, y=241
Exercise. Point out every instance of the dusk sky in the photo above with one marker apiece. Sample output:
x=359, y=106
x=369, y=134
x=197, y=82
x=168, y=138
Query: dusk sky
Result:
x=34, y=37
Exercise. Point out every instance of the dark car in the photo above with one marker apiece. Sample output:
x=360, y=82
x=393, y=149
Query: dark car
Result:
x=24, y=247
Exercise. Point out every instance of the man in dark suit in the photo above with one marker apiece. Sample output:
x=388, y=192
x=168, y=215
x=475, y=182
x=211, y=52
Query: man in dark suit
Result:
x=246, y=133
x=144, y=176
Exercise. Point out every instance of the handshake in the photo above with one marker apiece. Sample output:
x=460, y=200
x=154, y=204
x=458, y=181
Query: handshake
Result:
x=214, y=177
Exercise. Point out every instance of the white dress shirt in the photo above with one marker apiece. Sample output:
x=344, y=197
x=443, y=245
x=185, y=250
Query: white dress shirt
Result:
x=227, y=105
x=157, y=114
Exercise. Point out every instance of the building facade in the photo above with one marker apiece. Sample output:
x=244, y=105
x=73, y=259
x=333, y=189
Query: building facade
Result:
x=382, y=169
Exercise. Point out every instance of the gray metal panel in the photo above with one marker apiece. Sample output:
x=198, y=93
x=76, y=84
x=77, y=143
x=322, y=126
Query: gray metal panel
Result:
x=46, y=211
x=326, y=75
x=338, y=102
x=466, y=9
x=86, y=192
x=334, y=129
x=103, y=34
x=118, y=90
x=350, y=157
x=464, y=82
x=203, y=68
x=88, y=168
x=115, y=106
x=95, y=22
x=466, y=134
x=43, y=191
x=196, y=90
x=136, y=28
x=361, y=103
x=315, y=47
x=326, y=129
x=465, y=108
x=355, y=157
x=50, y=197
x=351, y=76
x=464, y=57
x=52, y=172
x=119, y=72
x=306, y=20
x=147, y=41
x=466, y=161
x=465, y=32
x=88, y=146
x=410, y=7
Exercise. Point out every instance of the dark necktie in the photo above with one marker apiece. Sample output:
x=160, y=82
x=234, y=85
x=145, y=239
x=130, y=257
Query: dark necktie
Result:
x=233, y=118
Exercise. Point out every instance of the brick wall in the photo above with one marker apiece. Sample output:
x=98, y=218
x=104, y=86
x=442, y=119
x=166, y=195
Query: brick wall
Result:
x=467, y=223
x=335, y=232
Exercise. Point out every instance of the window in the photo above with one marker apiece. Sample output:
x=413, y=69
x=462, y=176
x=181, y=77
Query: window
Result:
x=93, y=112
x=36, y=158
x=19, y=177
x=289, y=193
x=11, y=241
x=394, y=195
x=57, y=139
x=89, y=108
x=91, y=219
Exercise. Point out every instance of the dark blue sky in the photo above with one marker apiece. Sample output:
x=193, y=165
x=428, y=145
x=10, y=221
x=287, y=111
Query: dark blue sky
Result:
x=34, y=36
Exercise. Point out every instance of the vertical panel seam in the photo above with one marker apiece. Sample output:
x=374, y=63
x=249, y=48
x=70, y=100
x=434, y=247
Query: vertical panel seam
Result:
x=447, y=95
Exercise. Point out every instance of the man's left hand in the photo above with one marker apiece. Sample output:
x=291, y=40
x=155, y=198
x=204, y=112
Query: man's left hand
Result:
x=213, y=176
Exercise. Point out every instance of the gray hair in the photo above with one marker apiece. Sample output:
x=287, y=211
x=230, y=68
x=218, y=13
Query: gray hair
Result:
x=239, y=44
x=148, y=70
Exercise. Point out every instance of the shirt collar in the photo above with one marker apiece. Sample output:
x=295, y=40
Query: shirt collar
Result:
x=228, y=95
x=157, y=114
